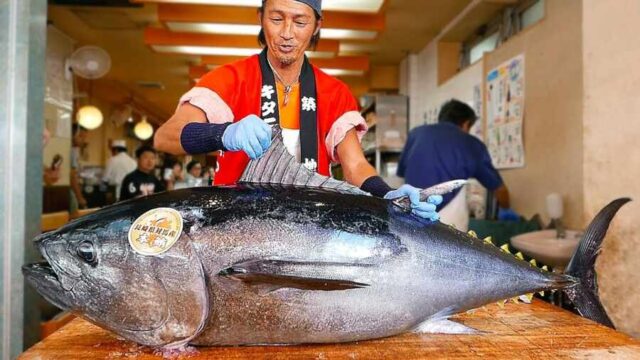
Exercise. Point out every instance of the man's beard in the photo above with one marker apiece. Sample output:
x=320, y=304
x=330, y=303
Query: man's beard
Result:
x=286, y=60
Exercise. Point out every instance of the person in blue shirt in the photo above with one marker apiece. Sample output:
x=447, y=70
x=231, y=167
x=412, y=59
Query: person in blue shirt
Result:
x=446, y=151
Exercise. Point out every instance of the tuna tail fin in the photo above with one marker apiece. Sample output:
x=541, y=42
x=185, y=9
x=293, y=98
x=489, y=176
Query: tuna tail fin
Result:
x=584, y=294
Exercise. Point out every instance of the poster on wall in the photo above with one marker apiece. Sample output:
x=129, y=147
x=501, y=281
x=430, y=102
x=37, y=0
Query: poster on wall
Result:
x=431, y=116
x=477, y=129
x=505, y=114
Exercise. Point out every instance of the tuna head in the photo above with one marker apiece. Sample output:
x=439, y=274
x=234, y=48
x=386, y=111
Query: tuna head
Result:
x=93, y=270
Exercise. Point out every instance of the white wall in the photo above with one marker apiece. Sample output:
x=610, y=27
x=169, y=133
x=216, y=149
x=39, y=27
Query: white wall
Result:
x=426, y=96
x=611, y=150
x=58, y=102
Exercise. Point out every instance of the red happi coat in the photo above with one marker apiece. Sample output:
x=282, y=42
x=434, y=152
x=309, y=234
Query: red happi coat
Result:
x=232, y=92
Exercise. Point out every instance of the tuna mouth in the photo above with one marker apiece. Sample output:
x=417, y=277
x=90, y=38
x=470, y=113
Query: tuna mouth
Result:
x=42, y=268
x=45, y=280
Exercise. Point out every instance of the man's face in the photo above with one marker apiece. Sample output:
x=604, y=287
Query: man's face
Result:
x=147, y=162
x=196, y=170
x=288, y=27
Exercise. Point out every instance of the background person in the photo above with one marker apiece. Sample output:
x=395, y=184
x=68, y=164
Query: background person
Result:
x=446, y=151
x=119, y=165
x=142, y=181
x=173, y=176
x=78, y=142
x=194, y=174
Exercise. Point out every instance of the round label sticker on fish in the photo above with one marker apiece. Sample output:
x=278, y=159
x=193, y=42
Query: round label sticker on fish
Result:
x=155, y=231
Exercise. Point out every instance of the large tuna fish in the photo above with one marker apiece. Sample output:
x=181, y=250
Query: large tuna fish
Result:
x=267, y=263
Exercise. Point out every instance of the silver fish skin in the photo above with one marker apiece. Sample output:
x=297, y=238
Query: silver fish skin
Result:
x=275, y=265
x=288, y=257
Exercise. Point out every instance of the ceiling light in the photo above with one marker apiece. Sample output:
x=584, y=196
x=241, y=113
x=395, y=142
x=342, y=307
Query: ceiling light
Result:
x=365, y=6
x=235, y=29
x=205, y=50
x=345, y=34
x=226, y=51
x=369, y=6
x=143, y=130
x=350, y=49
x=343, y=72
x=209, y=28
x=89, y=117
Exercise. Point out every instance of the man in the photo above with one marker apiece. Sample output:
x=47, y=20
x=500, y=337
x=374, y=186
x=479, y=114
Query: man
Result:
x=446, y=151
x=319, y=117
x=78, y=142
x=119, y=165
x=173, y=175
x=50, y=174
x=142, y=181
x=194, y=174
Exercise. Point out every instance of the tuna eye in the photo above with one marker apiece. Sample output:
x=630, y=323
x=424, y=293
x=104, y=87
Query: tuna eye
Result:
x=87, y=252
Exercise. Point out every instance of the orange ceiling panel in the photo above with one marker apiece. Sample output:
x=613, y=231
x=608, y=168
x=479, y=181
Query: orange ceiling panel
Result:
x=156, y=36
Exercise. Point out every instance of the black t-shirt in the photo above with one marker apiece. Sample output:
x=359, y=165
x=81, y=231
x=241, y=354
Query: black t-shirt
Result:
x=138, y=183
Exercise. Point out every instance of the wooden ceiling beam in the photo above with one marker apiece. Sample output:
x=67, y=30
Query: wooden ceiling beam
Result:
x=248, y=16
x=333, y=6
x=156, y=36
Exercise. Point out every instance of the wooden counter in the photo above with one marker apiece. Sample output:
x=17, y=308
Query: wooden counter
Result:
x=517, y=331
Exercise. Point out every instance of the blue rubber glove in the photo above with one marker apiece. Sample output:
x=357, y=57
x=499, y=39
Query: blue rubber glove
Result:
x=424, y=209
x=251, y=135
x=508, y=215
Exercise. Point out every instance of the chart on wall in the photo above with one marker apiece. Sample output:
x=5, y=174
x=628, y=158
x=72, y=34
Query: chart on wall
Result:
x=505, y=114
x=477, y=129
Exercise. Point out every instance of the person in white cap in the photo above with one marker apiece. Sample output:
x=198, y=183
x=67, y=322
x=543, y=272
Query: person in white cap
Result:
x=234, y=108
x=119, y=165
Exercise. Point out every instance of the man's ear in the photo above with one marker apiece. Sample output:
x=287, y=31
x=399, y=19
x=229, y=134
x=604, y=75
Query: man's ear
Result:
x=318, y=26
x=466, y=126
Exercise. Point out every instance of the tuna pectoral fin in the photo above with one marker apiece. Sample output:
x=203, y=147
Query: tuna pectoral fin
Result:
x=444, y=326
x=276, y=274
x=584, y=294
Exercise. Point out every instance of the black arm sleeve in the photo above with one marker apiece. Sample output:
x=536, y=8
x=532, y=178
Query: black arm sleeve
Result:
x=376, y=186
x=199, y=138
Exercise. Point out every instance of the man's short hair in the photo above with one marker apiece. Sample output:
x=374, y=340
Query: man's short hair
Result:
x=143, y=149
x=262, y=39
x=457, y=112
x=191, y=164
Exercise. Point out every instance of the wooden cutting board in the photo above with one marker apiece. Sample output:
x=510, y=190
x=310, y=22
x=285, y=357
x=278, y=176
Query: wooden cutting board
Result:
x=517, y=331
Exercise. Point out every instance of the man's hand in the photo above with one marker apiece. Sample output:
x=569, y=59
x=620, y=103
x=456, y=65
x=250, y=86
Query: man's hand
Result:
x=82, y=203
x=424, y=209
x=50, y=176
x=251, y=135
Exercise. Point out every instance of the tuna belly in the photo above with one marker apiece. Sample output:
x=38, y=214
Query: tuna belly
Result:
x=249, y=316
